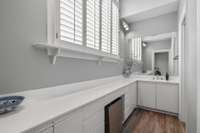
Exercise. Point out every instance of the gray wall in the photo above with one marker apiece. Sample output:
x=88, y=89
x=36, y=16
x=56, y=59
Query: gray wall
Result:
x=157, y=25
x=153, y=26
x=147, y=52
x=22, y=23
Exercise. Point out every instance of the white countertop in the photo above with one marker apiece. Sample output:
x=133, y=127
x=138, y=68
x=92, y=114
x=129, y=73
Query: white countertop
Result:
x=44, y=105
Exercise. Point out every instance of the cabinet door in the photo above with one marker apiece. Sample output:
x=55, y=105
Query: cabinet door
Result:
x=147, y=94
x=167, y=97
x=127, y=109
x=72, y=123
x=95, y=123
x=130, y=99
x=133, y=95
x=94, y=117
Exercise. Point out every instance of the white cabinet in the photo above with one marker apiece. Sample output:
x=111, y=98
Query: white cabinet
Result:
x=91, y=117
x=71, y=123
x=130, y=99
x=167, y=97
x=161, y=96
x=147, y=94
x=88, y=119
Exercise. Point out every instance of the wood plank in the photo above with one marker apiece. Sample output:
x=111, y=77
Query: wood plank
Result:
x=143, y=121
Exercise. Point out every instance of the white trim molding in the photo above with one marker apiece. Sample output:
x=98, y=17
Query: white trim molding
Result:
x=181, y=44
x=75, y=52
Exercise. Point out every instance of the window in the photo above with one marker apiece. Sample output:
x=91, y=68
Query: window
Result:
x=71, y=21
x=136, y=48
x=90, y=23
x=93, y=24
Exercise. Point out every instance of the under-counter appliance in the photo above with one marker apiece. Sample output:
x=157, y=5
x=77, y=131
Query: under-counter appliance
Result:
x=114, y=116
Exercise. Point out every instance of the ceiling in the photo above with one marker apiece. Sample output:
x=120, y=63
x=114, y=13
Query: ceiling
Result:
x=136, y=10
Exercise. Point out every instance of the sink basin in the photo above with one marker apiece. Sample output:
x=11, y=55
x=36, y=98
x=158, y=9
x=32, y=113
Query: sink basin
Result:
x=158, y=78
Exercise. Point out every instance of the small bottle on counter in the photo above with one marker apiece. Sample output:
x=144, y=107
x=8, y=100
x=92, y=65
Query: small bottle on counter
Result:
x=167, y=76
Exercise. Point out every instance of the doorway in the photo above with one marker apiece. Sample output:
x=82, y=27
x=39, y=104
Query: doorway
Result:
x=160, y=60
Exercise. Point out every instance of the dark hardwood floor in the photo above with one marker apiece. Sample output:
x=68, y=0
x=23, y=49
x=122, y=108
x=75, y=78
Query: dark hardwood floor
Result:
x=143, y=121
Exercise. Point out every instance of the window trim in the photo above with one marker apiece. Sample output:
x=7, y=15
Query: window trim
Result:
x=58, y=48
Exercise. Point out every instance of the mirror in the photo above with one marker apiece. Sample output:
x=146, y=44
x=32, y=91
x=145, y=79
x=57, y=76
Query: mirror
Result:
x=151, y=38
x=153, y=55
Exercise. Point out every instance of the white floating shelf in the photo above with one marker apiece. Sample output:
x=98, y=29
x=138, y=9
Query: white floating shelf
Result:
x=77, y=52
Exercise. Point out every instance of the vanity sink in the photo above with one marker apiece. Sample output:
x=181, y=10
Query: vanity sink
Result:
x=158, y=78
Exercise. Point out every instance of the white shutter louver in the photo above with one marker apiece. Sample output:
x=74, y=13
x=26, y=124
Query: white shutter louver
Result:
x=106, y=26
x=71, y=21
x=93, y=24
x=136, y=48
x=115, y=29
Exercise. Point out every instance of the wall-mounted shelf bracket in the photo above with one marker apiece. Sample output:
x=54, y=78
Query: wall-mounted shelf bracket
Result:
x=53, y=53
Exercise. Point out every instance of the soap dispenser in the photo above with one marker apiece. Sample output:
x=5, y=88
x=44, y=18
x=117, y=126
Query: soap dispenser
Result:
x=167, y=76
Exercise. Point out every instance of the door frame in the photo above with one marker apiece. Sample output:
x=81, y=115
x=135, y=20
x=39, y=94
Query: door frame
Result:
x=161, y=51
x=181, y=41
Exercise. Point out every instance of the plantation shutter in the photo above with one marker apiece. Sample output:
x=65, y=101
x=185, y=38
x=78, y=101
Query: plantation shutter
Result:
x=71, y=21
x=93, y=24
x=136, y=48
x=115, y=29
x=106, y=26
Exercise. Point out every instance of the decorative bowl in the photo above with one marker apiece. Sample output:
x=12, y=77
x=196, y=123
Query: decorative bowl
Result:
x=9, y=103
